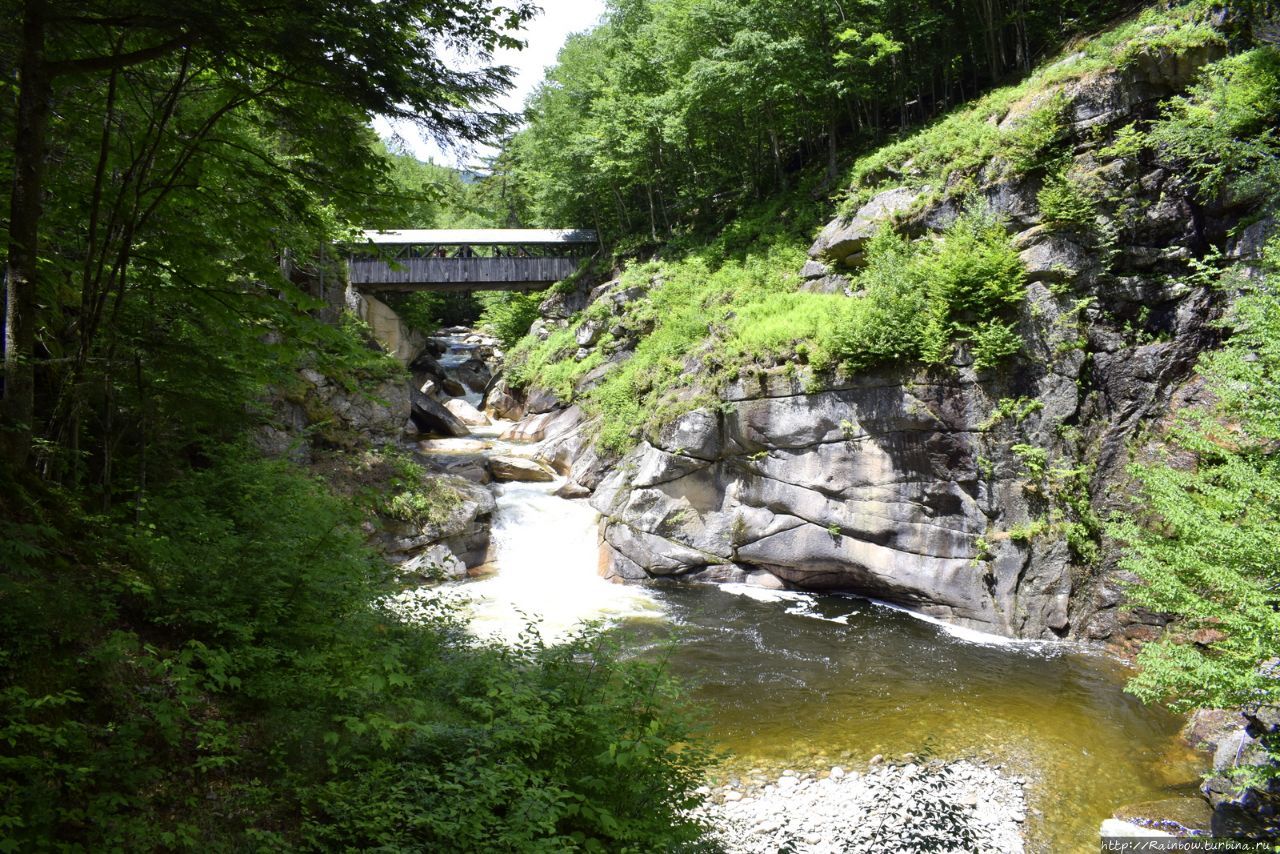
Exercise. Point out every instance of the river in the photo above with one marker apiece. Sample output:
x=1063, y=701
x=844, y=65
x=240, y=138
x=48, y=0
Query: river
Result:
x=803, y=680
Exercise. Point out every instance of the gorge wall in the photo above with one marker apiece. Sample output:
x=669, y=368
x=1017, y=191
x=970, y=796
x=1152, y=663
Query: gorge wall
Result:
x=973, y=495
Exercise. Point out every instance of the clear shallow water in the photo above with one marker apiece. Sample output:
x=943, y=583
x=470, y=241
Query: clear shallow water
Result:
x=811, y=681
x=808, y=681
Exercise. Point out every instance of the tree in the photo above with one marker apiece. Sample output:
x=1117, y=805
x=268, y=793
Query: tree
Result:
x=299, y=64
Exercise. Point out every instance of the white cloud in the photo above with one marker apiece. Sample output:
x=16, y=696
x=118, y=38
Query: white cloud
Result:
x=544, y=35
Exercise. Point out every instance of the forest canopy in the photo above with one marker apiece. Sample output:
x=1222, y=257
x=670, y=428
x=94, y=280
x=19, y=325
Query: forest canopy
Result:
x=677, y=113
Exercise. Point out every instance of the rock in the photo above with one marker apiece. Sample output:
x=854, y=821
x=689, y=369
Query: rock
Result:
x=827, y=285
x=473, y=373
x=1172, y=815
x=530, y=429
x=464, y=530
x=500, y=403
x=426, y=369
x=453, y=446
x=542, y=400
x=435, y=563
x=765, y=579
x=518, y=469
x=430, y=416
x=1114, y=828
x=1054, y=257
x=390, y=331
x=469, y=467
x=466, y=413
x=572, y=490
x=589, y=333
x=840, y=240
x=814, y=270
x=329, y=414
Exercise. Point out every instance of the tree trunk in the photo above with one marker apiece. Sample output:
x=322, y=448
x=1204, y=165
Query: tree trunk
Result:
x=30, y=141
x=832, y=171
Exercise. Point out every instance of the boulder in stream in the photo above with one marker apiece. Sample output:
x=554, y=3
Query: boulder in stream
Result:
x=473, y=373
x=518, y=469
x=531, y=429
x=435, y=563
x=466, y=413
x=430, y=416
x=499, y=402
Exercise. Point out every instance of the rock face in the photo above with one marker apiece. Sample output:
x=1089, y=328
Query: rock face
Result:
x=424, y=549
x=842, y=241
x=874, y=487
x=971, y=495
x=325, y=414
x=1239, y=810
x=387, y=327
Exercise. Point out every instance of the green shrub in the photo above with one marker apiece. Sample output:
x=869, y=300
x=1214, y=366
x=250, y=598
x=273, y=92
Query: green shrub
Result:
x=1203, y=539
x=1029, y=144
x=508, y=314
x=1065, y=204
x=993, y=342
x=1223, y=132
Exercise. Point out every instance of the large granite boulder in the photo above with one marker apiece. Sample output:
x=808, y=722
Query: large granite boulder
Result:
x=506, y=469
x=842, y=241
x=431, y=416
x=463, y=530
x=466, y=413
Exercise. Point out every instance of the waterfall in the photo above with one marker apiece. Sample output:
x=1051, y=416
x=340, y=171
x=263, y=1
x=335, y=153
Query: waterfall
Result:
x=547, y=553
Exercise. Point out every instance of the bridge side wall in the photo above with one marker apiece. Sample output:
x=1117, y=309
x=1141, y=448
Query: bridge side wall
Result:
x=456, y=273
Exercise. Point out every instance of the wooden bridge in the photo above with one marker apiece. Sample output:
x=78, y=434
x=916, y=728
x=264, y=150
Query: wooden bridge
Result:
x=478, y=259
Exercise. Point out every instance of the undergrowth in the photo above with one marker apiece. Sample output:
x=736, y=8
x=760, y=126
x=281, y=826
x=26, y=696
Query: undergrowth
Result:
x=702, y=321
x=208, y=669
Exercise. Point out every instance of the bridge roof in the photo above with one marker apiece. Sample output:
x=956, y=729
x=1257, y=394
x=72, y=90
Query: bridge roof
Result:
x=480, y=236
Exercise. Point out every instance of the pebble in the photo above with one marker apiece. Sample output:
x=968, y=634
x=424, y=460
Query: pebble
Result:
x=885, y=808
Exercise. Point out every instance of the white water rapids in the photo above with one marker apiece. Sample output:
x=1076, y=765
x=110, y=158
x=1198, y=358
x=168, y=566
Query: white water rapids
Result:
x=547, y=555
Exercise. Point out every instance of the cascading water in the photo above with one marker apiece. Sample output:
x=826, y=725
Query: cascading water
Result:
x=547, y=551
x=458, y=352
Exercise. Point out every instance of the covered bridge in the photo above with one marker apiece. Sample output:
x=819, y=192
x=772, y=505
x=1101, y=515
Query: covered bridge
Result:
x=474, y=259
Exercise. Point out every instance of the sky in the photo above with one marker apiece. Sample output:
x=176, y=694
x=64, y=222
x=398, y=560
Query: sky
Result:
x=545, y=35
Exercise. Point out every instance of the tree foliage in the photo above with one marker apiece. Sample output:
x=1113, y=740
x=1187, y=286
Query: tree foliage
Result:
x=1203, y=540
x=194, y=651
x=679, y=113
x=1205, y=543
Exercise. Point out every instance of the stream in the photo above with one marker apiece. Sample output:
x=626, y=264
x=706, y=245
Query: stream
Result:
x=799, y=680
